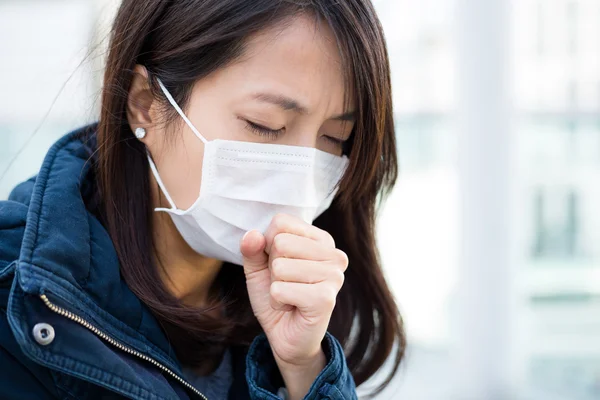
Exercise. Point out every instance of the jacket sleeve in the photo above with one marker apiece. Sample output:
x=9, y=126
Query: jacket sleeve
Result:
x=335, y=382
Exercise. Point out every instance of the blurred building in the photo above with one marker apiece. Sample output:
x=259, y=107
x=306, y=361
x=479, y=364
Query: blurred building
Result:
x=557, y=47
x=555, y=78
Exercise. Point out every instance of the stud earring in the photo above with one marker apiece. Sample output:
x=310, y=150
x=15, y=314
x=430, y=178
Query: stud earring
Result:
x=140, y=133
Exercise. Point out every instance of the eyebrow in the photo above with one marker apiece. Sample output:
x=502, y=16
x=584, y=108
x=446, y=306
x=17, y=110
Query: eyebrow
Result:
x=289, y=104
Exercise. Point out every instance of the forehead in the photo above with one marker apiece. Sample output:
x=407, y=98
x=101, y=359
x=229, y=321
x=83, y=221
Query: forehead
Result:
x=298, y=58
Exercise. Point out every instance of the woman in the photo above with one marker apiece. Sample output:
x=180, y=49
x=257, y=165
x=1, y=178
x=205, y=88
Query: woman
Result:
x=169, y=250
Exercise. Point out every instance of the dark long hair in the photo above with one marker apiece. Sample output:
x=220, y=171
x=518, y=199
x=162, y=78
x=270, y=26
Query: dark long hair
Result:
x=181, y=41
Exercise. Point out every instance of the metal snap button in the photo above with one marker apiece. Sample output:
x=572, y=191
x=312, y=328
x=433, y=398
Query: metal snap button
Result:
x=43, y=333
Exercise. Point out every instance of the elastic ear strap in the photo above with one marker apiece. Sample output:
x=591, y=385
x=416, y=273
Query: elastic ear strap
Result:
x=180, y=111
x=160, y=183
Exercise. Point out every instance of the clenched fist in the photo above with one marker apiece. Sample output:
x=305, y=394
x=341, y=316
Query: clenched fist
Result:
x=293, y=274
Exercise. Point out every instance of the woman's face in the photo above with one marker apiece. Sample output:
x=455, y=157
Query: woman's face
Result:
x=287, y=88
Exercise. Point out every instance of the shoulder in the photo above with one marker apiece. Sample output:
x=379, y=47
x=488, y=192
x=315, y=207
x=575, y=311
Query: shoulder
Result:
x=22, y=192
x=29, y=195
x=13, y=217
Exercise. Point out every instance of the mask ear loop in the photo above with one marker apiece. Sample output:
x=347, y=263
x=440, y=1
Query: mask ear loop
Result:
x=192, y=127
x=160, y=183
x=180, y=111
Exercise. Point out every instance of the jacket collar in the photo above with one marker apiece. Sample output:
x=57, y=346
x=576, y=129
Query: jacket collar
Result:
x=68, y=255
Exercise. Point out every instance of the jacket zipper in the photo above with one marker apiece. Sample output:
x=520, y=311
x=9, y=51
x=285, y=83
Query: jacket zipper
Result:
x=104, y=336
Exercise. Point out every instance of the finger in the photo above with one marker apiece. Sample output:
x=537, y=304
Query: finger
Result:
x=292, y=246
x=304, y=271
x=311, y=299
x=284, y=223
x=276, y=305
x=252, y=247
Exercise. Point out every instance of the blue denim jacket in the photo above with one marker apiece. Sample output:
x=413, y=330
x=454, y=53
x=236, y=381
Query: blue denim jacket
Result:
x=70, y=328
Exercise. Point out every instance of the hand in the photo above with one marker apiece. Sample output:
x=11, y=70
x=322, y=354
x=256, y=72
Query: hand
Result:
x=293, y=274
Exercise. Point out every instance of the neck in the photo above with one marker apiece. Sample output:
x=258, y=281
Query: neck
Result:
x=189, y=276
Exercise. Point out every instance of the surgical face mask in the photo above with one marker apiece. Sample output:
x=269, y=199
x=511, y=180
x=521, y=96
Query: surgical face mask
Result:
x=244, y=184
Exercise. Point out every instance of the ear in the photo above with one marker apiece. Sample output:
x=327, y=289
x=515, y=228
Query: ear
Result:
x=139, y=100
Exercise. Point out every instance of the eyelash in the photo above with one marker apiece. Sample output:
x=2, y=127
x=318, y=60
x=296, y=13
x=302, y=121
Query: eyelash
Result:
x=263, y=131
x=274, y=133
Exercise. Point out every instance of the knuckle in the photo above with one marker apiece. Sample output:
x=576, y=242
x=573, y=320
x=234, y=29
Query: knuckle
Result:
x=279, y=222
x=338, y=278
x=277, y=226
x=327, y=239
x=341, y=258
x=328, y=297
x=321, y=236
x=275, y=290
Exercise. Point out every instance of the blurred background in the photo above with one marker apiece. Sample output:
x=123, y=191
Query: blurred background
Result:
x=491, y=240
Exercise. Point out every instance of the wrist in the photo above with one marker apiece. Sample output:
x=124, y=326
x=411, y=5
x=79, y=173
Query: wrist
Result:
x=299, y=377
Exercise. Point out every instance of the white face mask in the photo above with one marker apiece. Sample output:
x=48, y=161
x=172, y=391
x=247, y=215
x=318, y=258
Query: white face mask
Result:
x=244, y=184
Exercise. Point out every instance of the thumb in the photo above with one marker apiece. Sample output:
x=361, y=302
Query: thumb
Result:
x=252, y=248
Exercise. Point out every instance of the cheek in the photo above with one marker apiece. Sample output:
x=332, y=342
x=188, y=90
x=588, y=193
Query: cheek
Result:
x=180, y=168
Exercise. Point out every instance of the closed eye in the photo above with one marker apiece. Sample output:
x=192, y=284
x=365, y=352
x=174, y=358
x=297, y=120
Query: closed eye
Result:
x=263, y=130
x=334, y=140
x=273, y=134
